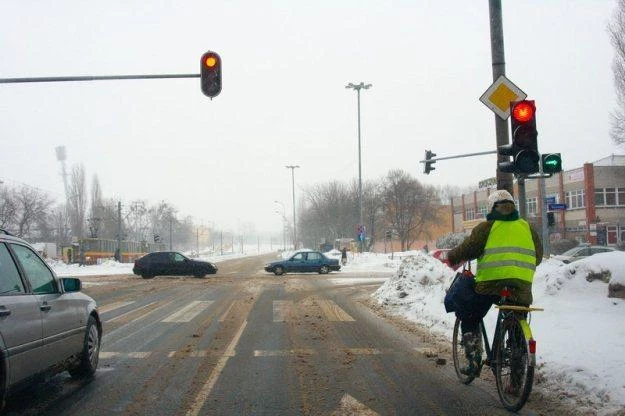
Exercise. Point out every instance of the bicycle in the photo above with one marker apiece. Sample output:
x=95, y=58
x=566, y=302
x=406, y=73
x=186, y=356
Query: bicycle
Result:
x=511, y=357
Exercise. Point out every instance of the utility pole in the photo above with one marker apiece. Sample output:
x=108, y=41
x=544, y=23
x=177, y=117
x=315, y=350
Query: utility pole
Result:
x=292, y=167
x=359, y=87
x=504, y=180
x=119, y=229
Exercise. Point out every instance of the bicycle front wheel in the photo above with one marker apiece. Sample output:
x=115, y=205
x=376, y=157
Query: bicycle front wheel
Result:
x=461, y=360
x=514, y=372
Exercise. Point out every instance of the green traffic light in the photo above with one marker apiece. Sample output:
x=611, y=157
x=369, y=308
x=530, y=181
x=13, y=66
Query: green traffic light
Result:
x=552, y=163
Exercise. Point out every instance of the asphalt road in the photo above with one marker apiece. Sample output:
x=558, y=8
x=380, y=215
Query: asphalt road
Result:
x=244, y=342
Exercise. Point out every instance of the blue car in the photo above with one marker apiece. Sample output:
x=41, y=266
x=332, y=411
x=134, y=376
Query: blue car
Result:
x=305, y=261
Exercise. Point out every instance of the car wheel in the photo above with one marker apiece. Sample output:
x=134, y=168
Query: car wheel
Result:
x=90, y=354
x=199, y=275
x=324, y=269
x=147, y=276
x=279, y=270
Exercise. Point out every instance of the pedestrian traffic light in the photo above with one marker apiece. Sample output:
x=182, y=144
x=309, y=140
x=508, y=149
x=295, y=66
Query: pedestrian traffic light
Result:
x=524, y=136
x=507, y=165
x=551, y=219
x=551, y=162
x=428, y=162
x=210, y=74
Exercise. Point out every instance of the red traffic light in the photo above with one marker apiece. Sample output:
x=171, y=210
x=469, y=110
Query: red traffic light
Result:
x=210, y=74
x=210, y=60
x=523, y=111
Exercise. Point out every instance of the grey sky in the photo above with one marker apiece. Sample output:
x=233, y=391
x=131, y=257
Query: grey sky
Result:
x=285, y=67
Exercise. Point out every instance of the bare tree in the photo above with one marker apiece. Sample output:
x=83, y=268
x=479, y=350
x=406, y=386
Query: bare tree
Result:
x=96, y=209
x=77, y=200
x=138, y=221
x=408, y=206
x=8, y=207
x=616, y=29
x=33, y=207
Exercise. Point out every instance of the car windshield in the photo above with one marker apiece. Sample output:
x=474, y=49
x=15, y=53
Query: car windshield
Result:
x=572, y=252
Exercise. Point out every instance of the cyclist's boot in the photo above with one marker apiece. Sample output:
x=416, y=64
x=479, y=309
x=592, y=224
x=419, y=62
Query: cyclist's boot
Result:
x=473, y=352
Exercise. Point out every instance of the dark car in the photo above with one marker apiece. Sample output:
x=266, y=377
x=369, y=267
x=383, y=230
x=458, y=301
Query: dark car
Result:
x=305, y=261
x=46, y=324
x=171, y=263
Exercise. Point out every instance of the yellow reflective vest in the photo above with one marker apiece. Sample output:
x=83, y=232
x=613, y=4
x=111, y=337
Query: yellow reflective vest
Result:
x=509, y=253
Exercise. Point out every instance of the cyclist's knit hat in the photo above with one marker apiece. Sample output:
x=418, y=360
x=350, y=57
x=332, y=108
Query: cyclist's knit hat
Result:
x=499, y=196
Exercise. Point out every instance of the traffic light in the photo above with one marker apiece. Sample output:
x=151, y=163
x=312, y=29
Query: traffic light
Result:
x=428, y=163
x=551, y=162
x=524, y=136
x=551, y=219
x=210, y=74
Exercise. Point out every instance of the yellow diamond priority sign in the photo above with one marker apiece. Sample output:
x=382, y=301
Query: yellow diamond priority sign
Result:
x=498, y=96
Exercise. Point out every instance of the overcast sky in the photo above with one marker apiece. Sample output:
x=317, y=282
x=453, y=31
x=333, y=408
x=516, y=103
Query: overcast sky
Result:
x=284, y=102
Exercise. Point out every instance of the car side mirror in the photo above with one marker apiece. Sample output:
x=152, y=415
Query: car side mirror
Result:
x=71, y=284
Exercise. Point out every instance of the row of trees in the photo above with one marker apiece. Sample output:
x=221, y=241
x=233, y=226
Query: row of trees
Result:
x=33, y=214
x=398, y=203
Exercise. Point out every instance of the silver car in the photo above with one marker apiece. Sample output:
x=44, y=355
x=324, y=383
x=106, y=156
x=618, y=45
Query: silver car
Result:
x=46, y=324
x=583, y=251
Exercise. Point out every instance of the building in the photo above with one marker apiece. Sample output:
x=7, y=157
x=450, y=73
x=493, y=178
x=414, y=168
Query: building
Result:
x=593, y=196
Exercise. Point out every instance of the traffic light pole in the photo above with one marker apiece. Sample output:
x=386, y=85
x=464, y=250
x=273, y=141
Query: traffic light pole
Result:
x=458, y=156
x=94, y=78
x=504, y=179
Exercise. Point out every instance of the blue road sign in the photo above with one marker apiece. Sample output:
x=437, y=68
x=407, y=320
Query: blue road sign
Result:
x=555, y=207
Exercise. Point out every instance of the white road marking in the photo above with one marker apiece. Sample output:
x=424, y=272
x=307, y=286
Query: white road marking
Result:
x=282, y=309
x=333, y=312
x=223, y=317
x=189, y=312
x=203, y=394
x=113, y=306
x=283, y=353
x=128, y=313
x=351, y=406
x=136, y=354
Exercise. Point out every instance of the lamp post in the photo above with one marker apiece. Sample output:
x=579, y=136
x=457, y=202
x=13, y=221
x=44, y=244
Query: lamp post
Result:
x=293, y=167
x=359, y=87
x=283, y=224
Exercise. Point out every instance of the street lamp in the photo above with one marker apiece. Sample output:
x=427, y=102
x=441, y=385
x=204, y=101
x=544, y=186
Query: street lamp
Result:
x=359, y=87
x=283, y=224
x=292, y=167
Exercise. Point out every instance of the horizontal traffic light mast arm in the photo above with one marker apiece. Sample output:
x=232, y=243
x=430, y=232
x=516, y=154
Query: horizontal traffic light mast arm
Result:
x=94, y=78
x=458, y=156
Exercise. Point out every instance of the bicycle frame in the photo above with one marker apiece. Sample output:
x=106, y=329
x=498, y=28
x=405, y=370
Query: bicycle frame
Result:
x=504, y=312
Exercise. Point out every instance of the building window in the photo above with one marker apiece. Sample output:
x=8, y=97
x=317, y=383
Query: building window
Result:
x=609, y=196
x=531, y=206
x=483, y=211
x=470, y=214
x=575, y=199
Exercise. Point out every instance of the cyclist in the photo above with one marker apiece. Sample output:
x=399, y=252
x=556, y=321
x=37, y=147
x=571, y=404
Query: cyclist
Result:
x=507, y=250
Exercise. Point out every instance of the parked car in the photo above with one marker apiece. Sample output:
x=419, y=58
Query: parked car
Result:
x=171, y=263
x=441, y=254
x=583, y=251
x=46, y=324
x=304, y=261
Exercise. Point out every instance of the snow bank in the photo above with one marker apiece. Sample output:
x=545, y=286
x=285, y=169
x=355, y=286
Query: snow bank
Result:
x=581, y=334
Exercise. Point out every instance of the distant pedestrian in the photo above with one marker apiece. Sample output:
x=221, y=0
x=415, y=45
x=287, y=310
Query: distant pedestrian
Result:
x=344, y=256
x=81, y=258
x=117, y=256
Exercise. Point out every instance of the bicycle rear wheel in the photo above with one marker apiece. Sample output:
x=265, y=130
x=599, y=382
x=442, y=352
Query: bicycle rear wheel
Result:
x=461, y=362
x=514, y=372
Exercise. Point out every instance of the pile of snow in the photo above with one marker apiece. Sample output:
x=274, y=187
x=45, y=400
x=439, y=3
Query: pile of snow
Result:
x=581, y=335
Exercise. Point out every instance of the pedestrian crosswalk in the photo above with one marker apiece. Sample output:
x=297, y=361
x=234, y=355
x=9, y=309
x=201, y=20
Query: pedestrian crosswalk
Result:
x=282, y=311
